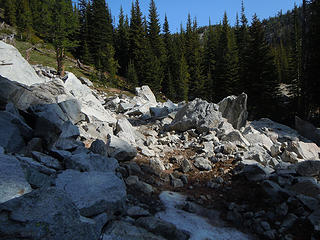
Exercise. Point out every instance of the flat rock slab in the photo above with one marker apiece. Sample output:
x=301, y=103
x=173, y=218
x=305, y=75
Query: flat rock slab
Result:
x=93, y=192
x=12, y=179
x=45, y=214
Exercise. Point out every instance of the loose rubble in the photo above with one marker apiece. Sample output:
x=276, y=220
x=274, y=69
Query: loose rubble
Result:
x=77, y=163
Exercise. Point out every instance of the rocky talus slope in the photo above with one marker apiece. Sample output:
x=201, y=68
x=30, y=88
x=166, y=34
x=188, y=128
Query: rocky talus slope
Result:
x=76, y=163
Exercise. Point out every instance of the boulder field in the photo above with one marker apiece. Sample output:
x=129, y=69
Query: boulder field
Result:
x=78, y=163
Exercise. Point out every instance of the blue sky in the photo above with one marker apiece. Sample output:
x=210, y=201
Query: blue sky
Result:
x=177, y=10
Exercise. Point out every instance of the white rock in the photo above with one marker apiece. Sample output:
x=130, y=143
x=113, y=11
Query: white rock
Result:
x=19, y=70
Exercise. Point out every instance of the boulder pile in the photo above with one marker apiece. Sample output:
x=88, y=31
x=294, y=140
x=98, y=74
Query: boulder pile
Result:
x=78, y=163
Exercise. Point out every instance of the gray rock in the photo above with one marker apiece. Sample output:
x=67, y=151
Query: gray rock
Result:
x=146, y=94
x=274, y=191
x=290, y=157
x=255, y=137
x=99, y=147
x=314, y=219
x=120, y=149
x=202, y=164
x=308, y=168
x=35, y=144
x=46, y=160
x=120, y=230
x=125, y=106
x=133, y=181
x=234, y=109
x=289, y=221
x=125, y=131
x=159, y=112
x=12, y=179
x=255, y=171
x=86, y=81
x=308, y=130
x=236, y=138
x=308, y=188
x=20, y=70
x=72, y=110
x=176, y=182
x=45, y=214
x=10, y=136
x=50, y=112
x=156, y=165
x=161, y=227
x=137, y=211
x=91, y=162
x=305, y=150
x=199, y=115
x=185, y=166
x=310, y=202
x=90, y=105
x=95, y=130
x=93, y=192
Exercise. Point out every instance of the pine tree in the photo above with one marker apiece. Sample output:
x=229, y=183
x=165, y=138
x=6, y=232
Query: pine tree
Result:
x=111, y=64
x=227, y=70
x=24, y=19
x=183, y=80
x=156, y=49
x=242, y=42
x=43, y=20
x=137, y=38
x=101, y=34
x=10, y=12
x=261, y=79
x=83, y=50
x=132, y=75
x=295, y=64
x=64, y=26
x=122, y=43
x=193, y=55
x=311, y=63
x=169, y=59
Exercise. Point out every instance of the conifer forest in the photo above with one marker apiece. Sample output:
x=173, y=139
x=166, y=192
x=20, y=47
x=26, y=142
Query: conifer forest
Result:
x=261, y=57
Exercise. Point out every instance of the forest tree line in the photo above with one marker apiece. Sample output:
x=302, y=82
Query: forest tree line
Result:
x=208, y=62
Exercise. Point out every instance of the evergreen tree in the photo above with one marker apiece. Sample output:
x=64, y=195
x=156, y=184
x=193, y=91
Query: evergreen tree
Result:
x=210, y=61
x=193, y=55
x=83, y=50
x=64, y=26
x=137, y=41
x=24, y=19
x=183, y=80
x=242, y=42
x=226, y=72
x=111, y=64
x=101, y=34
x=167, y=84
x=156, y=49
x=295, y=64
x=10, y=12
x=43, y=20
x=261, y=83
x=132, y=75
x=311, y=63
x=122, y=43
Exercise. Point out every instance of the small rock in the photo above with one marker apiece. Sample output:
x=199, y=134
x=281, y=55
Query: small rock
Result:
x=202, y=164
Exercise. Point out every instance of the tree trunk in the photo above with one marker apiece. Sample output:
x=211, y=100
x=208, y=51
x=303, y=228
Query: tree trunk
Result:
x=60, y=61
